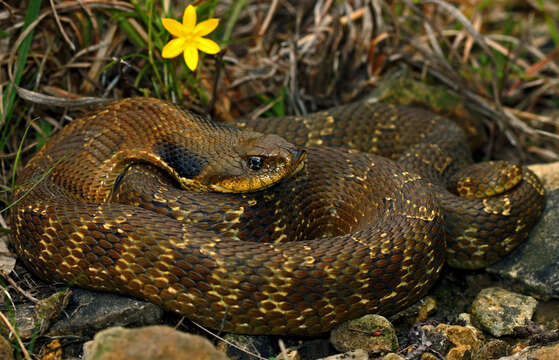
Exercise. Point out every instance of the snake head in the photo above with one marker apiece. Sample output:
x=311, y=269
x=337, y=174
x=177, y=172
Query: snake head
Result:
x=256, y=162
x=231, y=162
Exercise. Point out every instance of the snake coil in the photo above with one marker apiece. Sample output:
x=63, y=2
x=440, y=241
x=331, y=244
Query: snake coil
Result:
x=246, y=232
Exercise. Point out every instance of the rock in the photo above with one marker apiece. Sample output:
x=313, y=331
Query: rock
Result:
x=354, y=355
x=547, y=352
x=241, y=347
x=24, y=319
x=32, y=319
x=456, y=341
x=393, y=356
x=499, y=311
x=492, y=350
x=462, y=352
x=437, y=340
x=425, y=342
x=149, y=343
x=548, y=174
x=6, y=351
x=7, y=261
x=534, y=266
x=461, y=336
x=464, y=319
x=372, y=333
x=51, y=351
x=429, y=356
x=427, y=306
x=93, y=311
x=82, y=313
x=518, y=347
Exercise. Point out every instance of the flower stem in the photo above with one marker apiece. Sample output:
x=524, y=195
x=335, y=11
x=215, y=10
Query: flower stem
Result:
x=150, y=4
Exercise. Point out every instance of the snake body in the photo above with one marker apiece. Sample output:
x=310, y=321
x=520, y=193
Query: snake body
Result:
x=250, y=233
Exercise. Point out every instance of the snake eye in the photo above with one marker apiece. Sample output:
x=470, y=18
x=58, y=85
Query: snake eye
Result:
x=255, y=163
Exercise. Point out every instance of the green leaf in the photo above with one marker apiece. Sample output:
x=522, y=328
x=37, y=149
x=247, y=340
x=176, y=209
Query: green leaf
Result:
x=9, y=97
x=550, y=24
x=130, y=31
x=232, y=16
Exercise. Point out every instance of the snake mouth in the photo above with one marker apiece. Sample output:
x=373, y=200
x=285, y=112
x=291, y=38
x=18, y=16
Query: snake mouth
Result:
x=299, y=157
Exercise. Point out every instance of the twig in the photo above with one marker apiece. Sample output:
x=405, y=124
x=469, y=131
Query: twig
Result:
x=536, y=67
x=12, y=155
x=228, y=342
x=16, y=286
x=219, y=67
x=357, y=14
x=12, y=330
x=39, y=98
x=283, y=349
x=532, y=116
x=268, y=18
x=101, y=53
x=451, y=9
x=65, y=6
x=60, y=27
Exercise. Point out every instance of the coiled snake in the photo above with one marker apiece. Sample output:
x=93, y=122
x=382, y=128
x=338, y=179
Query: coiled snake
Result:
x=144, y=199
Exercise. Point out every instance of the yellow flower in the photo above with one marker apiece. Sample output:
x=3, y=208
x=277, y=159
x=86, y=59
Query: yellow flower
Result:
x=189, y=37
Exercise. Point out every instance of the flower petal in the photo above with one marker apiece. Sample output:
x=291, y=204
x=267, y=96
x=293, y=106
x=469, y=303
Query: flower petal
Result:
x=206, y=27
x=174, y=27
x=206, y=45
x=191, y=56
x=189, y=18
x=173, y=48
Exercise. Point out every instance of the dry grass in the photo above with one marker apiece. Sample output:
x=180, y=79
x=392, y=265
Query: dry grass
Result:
x=282, y=57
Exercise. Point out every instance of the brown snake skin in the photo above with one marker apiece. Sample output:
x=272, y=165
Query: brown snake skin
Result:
x=336, y=233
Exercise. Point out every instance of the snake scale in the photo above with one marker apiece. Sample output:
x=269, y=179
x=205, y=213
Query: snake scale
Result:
x=145, y=199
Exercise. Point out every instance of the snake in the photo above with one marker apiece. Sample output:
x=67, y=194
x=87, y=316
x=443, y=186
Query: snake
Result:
x=287, y=225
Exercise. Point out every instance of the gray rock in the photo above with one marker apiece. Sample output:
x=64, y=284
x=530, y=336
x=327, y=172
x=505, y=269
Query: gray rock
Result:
x=534, y=267
x=499, y=311
x=24, y=321
x=89, y=312
x=372, y=333
x=149, y=343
